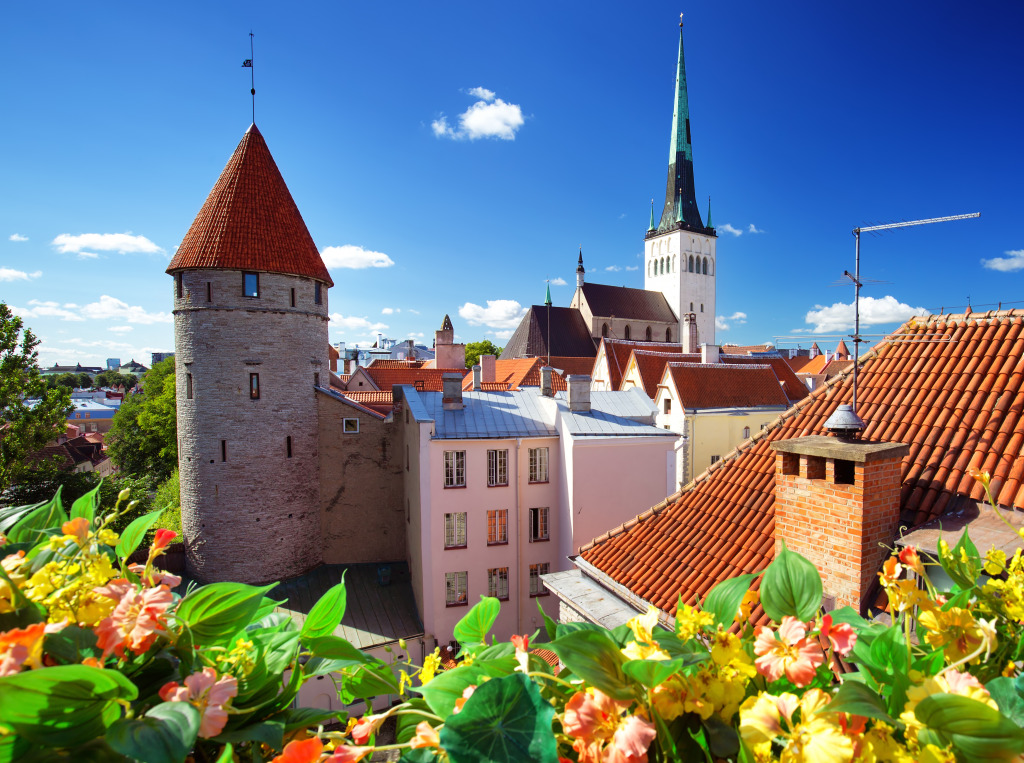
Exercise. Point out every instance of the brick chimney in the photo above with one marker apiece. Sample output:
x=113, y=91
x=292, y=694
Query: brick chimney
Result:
x=835, y=502
x=451, y=386
x=691, y=338
x=546, y=389
x=488, y=363
x=477, y=374
x=579, y=392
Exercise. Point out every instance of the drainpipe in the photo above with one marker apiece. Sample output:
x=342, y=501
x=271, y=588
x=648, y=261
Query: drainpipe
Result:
x=519, y=543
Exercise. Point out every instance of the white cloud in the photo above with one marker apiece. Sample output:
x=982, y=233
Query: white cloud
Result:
x=613, y=269
x=482, y=93
x=1012, y=262
x=507, y=333
x=122, y=243
x=754, y=229
x=9, y=274
x=111, y=308
x=410, y=310
x=557, y=282
x=489, y=117
x=87, y=255
x=723, y=322
x=632, y=267
x=729, y=229
x=839, y=317
x=390, y=310
x=354, y=257
x=355, y=323
x=38, y=309
x=120, y=329
x=17, y=237
x=417, y=335
x=499, y=313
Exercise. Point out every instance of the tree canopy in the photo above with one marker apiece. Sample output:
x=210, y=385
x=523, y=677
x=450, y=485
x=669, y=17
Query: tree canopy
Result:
x=475, y=349
x=143, y=438
x=115, y=379
x=30, y=414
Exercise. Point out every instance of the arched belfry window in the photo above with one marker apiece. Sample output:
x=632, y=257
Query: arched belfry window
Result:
x=626, y=332
x=663, y=266
x=668, y=335
x=604, y=330
x=674, y=264
x=705, y=266
x=649, y=335
x=690, y=265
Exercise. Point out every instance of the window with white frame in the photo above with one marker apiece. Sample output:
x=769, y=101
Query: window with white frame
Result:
x=497, y=583
x=497, y=468
x=539, y=524
x=715, y=459
x=497, y=527
x=536, y=584
x=350, y=426
x=455, y=530
x=538, y=464
x=456, y=589
x=455, y=468
x=746, y=432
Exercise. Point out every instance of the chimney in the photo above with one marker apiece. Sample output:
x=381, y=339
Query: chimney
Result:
x=690, y=337
x=709, y=353
x=579, y=392
x=451, y=399
x=477, y=377
x=488, y=364
x=838, y=504
x=545, y=382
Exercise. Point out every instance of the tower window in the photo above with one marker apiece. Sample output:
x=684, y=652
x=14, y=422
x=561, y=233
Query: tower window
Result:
x=254, y=386
x=649, y=335
x=316, y=379
x=288, y=445
x=223, y=450
x=705, y=266
x=690, y=265
x=293, y=296
x=702, y=307
x=188, y=386
x=209, y=292
x=251, y=284
x=668, y=335
x=318, y=297
x=604, y=329
x=626, y=332
x=179, y=286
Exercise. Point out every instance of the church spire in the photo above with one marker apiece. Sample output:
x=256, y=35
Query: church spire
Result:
x=680, y=168
x=651, y=227
x=710, y=224
x=547, y=297
x=580, y=271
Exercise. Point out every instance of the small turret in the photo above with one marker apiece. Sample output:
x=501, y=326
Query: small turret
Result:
x=580, y=271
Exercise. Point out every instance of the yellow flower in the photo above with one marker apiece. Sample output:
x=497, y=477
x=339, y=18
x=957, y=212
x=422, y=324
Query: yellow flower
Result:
x=814, y=738
x=644, y=647
x=955, y=631
x=643, y=625
x=725, y=647
x=932, y=754
x=691, y=622
x=430, y=665
x=1010, y=670
x=995, y=561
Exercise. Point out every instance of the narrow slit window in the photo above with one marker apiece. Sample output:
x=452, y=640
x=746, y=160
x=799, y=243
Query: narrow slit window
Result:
x=223, y=450
x=316, y=379
x=293, y=296
x=188, y=386
x=254, y=386
x=251, y=284
x=288, y=445
x=318, y=295
x=179, y=286
x=209, y=292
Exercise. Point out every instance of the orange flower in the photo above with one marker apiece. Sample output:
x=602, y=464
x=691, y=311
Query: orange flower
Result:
x=155, y=577
x=366, y=726
x=466, y=694
x=79, y=527
x=19, y=646
x=909, y=558
x=136, y=620
x=842, y=636
x=891, y=571
x=790, y=652
x=208, y=694
x=522, y=644
x=632, y=738
x=162, y=538
x=426, y=736
x=979, y=476
x=349, y=754
x=304, y=751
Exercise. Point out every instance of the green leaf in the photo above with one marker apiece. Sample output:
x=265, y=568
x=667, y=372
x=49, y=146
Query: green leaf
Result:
x=405, y=723
x=45, y=516
x=850, y=616
x=86, y=505
x=373, y=679
x=227, y=755
x=65, y=705
x=443, y=689
x=165, y=734
x=549, y=625
x=1007, y=696
x=326, y=614
x=975, y=730
x=304, y=717
x=723, y=741
x=270, y=733
x=791, y=586
x=135, y=532
x=11, y=515
x=651, y=673
x=506, y=720
x=857, y=699
x=691, y=652
x=216, y=612
x=473, y=628
x=274, y=653
x=594, y=657
x=724, y=599
x=336, y=648
x=71, y=645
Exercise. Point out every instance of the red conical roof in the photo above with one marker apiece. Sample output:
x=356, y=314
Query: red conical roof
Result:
x=250, y=221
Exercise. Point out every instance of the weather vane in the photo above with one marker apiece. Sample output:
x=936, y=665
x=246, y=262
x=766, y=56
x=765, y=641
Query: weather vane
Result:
x=680, y=19
x=247, y=64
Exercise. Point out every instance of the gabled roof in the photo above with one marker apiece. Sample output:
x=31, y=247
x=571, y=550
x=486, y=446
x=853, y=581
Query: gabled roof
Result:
x=725, y=385
x=651, y=367
x=570, y=335
x=618, y=351
x=421, y=378
x=958, y=403
x=810, y=366
x=627, y=303
x=567, y=365
x=794, y=388
x=250, y=221
x=378, y=410
x=841, y=349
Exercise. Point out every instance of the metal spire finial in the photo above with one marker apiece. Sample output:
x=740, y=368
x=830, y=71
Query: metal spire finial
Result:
x=680, y=19
x=247, y=64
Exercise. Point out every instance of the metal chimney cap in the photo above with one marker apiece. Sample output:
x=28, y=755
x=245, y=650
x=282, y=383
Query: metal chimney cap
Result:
x=844, y=422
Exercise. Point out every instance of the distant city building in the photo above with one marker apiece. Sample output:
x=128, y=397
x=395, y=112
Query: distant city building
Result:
x=159, y=356
x=133, y=367
x=78, y=368
x=113, y=364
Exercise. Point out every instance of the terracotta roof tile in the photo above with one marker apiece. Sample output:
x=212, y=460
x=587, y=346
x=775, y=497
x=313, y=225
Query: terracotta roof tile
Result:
x=250, y=221
x=618, y=351
x=720, y=385
x=395, y=363
x=725, y=524
x=421, y=378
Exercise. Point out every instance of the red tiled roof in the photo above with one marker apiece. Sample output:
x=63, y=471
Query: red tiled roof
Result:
x=720, y=385
x=798, y=363
x=651, y=367
x=958, y=403
x=809, y=366
x=385, y=378
x=581, y=366
x=841, y=349
x=836, y=367
x=746, y=349
x=394, y=363
x=518, y=372
x=794, y=388
x=617, y=352
x=374, y=401
x=250, y=221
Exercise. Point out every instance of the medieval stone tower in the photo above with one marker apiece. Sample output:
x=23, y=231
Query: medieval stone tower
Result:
x=250, y=334
x=679, y=250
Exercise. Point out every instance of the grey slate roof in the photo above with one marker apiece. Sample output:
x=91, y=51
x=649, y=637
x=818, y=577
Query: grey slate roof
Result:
x=570, y=335
x=627, y=303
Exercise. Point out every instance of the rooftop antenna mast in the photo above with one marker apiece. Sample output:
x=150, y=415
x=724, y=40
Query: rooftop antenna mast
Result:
x=247, y=64
x=855, y=278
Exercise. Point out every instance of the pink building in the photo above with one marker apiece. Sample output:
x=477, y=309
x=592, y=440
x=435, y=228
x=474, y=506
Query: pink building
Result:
x=501, y=487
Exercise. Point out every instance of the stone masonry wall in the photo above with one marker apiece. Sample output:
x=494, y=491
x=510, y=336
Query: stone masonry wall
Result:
x=250, y=512
x=361, y=486
x=838, y=527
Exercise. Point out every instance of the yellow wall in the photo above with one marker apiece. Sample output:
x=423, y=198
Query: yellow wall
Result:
x=713, y=433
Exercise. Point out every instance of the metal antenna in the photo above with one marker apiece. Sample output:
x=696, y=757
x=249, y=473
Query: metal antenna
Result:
x=247, y=64
x=855, y=277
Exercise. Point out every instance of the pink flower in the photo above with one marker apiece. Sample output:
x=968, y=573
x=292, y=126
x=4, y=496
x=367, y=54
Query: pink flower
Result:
x=426, y=736
x=136, y=620
x=592, y=715
x=842, y=636
x=208, y=694
x=790, y=653
x=349, y=754
x=155, y=577
x=21, y=645
x=632, y=738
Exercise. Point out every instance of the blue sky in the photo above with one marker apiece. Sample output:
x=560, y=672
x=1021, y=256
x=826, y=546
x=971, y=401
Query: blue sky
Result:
x=465, y=151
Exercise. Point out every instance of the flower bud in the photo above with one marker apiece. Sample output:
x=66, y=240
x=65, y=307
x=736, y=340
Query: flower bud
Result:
x=123, y=495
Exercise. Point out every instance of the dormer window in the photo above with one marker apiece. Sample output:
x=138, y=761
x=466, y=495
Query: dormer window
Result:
x=251, y=284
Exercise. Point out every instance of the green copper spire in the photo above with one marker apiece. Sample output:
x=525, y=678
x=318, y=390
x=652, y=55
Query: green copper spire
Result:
x=680, y=198
x=651, y=226
x=547, y=298
x=710, y=224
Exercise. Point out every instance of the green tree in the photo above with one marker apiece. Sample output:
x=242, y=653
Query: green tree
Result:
x=115, y=379
x=30, y=414
x=143, y=438
x=67, y=380
x=84, y=381
x=475, y=349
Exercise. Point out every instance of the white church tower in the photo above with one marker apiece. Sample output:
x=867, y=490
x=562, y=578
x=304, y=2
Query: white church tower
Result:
x=679, y=251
